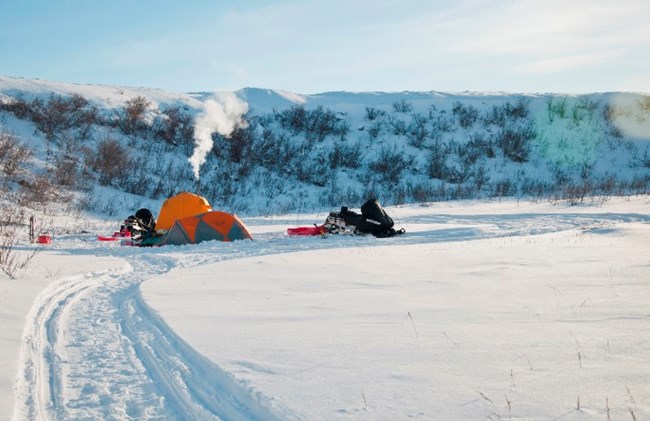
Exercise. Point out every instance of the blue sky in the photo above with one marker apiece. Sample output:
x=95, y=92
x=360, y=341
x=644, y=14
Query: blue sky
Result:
x=309, y=46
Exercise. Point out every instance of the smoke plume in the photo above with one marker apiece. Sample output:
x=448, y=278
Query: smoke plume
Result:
x=220, y=115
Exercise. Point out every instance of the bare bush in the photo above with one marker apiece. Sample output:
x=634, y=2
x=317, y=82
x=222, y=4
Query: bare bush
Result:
x=314, y=170
x=65, y=171
x=549, y=109
x=500, y=115
x=575, y=193
x=460, y=168
x=131, y=117
x=607, y=185
x=111, y=161
x=17, y=106
x=40, y=191
x=13, y=154
x=402, y=106
x=481, y=178
x=644, y=161
x=441, y=121
x=496, y=115
x=316, y=124
x=424, y=192
x=59, y=114
x=373, y=113
x=515, y=141
x=398, y=126
x=390, y=163
x=274, y=151
x=466, y=114
x=556, y=107
x=239, y=144
x=293, y=119
x=584, y=108
x=436, y=164
x=503, y=188
x=479, y=145
x=267, y=149
x=12, y=259
x=640, y=185
x=418, y=130
x=520, y=109
x=375, y=129
x=324, y=122
x=345, y=155
x=174, y=127
x=137, y=180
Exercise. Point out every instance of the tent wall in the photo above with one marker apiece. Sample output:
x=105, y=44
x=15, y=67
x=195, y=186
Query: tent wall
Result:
x=208, y=226
x=180, y=206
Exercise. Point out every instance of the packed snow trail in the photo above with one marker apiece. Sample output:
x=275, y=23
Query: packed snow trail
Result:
x=93, y=349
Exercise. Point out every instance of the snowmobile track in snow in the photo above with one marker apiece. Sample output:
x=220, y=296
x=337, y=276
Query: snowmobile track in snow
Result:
x=93, y=349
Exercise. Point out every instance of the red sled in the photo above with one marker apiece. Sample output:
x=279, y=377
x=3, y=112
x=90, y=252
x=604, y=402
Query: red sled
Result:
x=315, y=230
x=117, y=235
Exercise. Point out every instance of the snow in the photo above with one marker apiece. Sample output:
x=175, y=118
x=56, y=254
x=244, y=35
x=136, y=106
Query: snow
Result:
x=482, y=310
x=104, y=95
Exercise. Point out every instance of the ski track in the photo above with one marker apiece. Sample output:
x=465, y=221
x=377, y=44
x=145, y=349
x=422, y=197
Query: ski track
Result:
x=93, y=349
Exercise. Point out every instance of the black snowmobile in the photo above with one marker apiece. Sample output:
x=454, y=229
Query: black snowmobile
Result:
x=373, y=220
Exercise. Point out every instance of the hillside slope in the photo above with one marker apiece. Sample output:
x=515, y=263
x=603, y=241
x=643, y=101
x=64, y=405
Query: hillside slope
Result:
x=298, y=152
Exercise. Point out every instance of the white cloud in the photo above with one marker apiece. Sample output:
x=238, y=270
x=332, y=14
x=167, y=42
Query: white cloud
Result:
x=565, y=63
x=545, y=34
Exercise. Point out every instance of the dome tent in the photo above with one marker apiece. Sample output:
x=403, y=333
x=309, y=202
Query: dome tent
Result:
x=207, y=226
x=180, y=206
x=189, y=219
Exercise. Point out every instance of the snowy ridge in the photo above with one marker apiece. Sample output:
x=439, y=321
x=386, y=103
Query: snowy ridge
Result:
x=260, y=100
x=104, y=95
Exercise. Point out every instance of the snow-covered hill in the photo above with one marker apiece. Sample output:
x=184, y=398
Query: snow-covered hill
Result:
x=316, y=151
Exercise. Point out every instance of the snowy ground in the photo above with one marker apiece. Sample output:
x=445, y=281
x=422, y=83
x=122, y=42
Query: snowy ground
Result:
x=506, y=310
